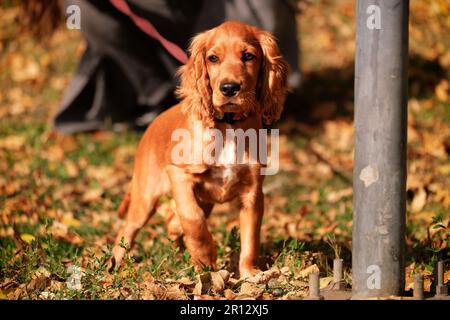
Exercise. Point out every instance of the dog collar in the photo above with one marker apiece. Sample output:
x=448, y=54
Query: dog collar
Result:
x=231, y=117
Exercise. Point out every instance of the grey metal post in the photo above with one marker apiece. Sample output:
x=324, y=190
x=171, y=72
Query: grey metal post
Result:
x=338, y=281
x=441, y=288
x=418, y=287
x=380, y=148
x=314, y=287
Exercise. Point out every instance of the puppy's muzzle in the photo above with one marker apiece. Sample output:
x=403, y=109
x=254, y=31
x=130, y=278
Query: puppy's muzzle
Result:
x=230, y=89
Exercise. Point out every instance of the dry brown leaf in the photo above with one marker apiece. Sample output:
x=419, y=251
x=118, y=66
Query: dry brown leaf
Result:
x=71, y=168
x=40, y=280
x=251, y=289
x=444, y=169
x=335, y=196
x=99, y=172
x=306, y=272
x=203, y=284
x=54, y=153
x=217, y=283
x=205, y=297
x=22, y=167
x=314, y=197
x=24, y=70
x=45, y=295
x=185, y=281
x=218, y=280
x=264, y=277
x=12, y=143
x=339, y=135
x=433, y=144
x=92, y=195
x=325, y=281
x=419, y=200
x=442, y=90
x=19, y=101
x=175, y=292
x=61, y=231
x=229, y=294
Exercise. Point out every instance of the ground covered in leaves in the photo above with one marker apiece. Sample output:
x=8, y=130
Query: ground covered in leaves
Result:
x=59, y=194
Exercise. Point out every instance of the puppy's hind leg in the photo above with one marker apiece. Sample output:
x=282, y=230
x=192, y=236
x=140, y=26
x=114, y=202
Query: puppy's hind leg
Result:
x=124, y=205
x=142, y=205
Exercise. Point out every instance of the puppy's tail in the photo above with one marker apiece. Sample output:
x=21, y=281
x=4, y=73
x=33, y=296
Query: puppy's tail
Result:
x=123, y=208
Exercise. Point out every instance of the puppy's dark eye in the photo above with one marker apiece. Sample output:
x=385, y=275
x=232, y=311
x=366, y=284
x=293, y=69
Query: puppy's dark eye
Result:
x=213, y=58
x=248, y=56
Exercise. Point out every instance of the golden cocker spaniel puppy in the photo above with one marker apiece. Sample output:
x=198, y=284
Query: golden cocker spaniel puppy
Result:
x=235, y=79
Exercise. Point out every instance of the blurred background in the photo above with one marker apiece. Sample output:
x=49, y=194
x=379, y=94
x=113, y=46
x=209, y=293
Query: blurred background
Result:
x=59, y=192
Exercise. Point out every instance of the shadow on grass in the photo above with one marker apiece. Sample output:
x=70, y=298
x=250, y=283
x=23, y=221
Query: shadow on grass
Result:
x=329, y=92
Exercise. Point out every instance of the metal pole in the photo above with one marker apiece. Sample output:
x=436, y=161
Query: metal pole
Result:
x=441, y=288
x=418, y=287
x=338, y=281
x=380, y=148
x=314, y=287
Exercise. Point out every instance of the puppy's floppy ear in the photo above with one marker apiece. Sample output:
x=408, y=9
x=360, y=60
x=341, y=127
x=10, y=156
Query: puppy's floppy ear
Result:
x=272, y=86
x=195, y=89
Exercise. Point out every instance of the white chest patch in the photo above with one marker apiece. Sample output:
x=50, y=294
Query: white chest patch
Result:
x=227, y=155
x=228, y=174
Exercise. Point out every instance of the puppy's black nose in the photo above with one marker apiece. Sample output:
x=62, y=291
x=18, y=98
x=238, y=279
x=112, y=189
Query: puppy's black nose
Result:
x=230, y=89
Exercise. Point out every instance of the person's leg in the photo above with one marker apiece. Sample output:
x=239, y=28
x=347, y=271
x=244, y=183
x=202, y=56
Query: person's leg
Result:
x=79, y=98
x=92, y=94
x=124, y=74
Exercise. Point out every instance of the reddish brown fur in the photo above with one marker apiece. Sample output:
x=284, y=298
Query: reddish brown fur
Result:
x=123, y=208
x=196, y=187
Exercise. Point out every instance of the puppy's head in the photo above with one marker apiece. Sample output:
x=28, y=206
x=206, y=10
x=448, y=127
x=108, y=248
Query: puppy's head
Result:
x=234, y=68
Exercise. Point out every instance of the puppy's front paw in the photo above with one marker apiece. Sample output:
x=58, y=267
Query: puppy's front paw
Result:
x=204, y=256
x=205, y=260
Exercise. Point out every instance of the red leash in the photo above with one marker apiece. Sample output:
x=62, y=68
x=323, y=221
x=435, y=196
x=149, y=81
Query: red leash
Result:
x=151, y=31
